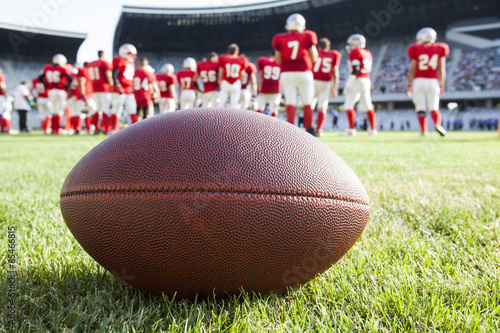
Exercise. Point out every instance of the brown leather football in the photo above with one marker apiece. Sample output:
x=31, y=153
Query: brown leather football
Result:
x=212, y=201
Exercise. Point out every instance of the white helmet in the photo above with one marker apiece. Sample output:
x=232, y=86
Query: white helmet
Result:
x=128, y=51
x=167, y=69
x=355, y=41
x=295, y=22
x=59, y=59
x=426, y=35
x=189, y=63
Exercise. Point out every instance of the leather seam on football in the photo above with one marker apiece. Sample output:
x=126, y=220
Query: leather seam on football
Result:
x=300, y=195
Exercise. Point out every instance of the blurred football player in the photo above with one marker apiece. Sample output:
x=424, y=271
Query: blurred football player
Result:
x=73, y=93
x=427, y=77
x=85, y=103
x=231, y=65
x=57, y=79
x=5, y=106
x=268, y=81
x=326, y=80
x=145, y=89
x=39, y=90
x=188, y=85
x=207, y=71
x=166, y=84
x=358, y=85
x=123, y=94
x=101, y=75
x=247, y=77
x=296, y=52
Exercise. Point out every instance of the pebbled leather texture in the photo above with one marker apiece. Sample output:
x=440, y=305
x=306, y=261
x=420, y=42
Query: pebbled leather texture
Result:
x=214, y=200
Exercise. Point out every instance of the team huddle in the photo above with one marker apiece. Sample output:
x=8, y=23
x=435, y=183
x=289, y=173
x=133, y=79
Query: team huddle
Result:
x=304, y=69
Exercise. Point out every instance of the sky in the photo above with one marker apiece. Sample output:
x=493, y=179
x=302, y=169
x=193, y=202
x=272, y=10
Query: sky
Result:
x=96, y=18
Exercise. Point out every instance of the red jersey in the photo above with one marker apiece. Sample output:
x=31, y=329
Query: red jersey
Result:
x=73, y=88
x=85, y=73
x=362, y=58
x=164, y=82
x=41, y=91
x=55, y=76
x=208, y=73
x=428, y=57
x=245, y=75
x=324, y=65
x=97, y=70
x=294, y=48
x=126, y=71
x=270, y=75
x=233, y=65
x=142, y=92
x=185, y=78
x=2, y=79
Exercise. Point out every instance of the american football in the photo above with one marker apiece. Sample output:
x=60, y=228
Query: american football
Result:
x=249, y=166
x=226, y=200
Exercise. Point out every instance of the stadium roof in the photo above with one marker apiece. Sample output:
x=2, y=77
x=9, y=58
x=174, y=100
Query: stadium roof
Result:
x=35, y=43
x=198, y=30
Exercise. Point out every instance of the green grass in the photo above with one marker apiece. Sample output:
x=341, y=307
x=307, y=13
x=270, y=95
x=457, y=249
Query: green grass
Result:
x=428, y=261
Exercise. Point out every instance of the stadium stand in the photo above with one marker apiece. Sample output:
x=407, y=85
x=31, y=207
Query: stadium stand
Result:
x=474, y=71
x=25, y=50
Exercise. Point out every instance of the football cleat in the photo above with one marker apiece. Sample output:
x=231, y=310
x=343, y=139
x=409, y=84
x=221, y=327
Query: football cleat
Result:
x=312, y=131
x=355, y=41
x=167, y=69
x=189, y=63
x=349, y=132
x=295, y=22
x=426, y=35
x=128, y=51
x=372, y=132
x=440, y=129
x=59, y=59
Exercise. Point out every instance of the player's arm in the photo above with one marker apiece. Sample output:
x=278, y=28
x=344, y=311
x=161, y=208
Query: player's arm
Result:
x=313, y=53
x=81, y=88
x=3, y=88
x=155, y=90
x=69, y=80
x=171, y=89
x=41, y=78
x=411, y=76
x=253, y=82
x=335, y=81
x=442, y=73
x=109, y=78
x=354, y=67
x=116, y=81
x=277, y=57
x=179, y=87
x=260, y=79
x=221, y=75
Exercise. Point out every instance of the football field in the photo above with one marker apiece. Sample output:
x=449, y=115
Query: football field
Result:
x=428, y=260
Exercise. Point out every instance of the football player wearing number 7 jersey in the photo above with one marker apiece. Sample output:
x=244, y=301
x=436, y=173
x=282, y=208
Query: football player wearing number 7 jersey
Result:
x=357, y=87
x=326, y=79
x=231, y=66
x=296, y=52
x=427, y=77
